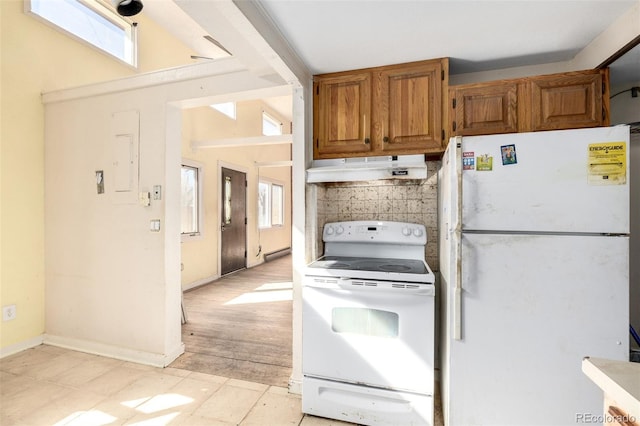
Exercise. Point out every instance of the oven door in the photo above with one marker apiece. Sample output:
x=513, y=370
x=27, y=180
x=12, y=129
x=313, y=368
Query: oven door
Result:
x=373, y=333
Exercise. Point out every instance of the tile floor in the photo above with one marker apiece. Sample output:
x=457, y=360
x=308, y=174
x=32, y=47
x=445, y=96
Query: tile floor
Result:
x=47, y=385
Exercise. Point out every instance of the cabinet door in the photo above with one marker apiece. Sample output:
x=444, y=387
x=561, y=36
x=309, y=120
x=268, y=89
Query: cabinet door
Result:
x=409, y=109
x=342, y=109
x=484, y=109
x=569, y=100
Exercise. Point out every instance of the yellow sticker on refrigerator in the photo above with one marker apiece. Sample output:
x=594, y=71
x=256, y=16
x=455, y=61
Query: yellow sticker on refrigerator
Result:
x=484, y=163
x=607, y=163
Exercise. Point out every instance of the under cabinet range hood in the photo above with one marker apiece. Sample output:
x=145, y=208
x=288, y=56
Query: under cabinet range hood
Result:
x=368, y=168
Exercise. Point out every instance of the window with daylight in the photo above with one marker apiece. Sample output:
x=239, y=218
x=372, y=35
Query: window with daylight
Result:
x=270, y=204
x=270, y=126
x=190, y=200
x=227, y=108
x=92, y=22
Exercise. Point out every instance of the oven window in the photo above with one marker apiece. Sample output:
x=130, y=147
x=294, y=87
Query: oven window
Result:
x=365, y=321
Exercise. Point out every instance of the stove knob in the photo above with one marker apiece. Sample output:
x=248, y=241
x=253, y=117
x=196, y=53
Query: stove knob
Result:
x=406, y=231
x=417, y=232
x=329, y=230
x=340, y=230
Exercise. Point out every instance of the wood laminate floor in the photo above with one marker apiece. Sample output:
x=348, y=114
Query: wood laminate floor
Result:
x=239, y=326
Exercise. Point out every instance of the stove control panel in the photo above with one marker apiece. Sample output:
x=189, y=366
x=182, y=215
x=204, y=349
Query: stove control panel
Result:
x=375, y=232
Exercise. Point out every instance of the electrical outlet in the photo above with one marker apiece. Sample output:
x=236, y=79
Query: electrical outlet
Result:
x=8, y=312
x=154, y=225
x=157, y=192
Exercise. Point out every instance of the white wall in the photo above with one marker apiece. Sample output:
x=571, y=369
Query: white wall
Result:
x=104, y=269
x=113, y=286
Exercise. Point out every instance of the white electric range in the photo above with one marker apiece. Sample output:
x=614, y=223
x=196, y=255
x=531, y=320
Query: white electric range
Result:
x=368, y=325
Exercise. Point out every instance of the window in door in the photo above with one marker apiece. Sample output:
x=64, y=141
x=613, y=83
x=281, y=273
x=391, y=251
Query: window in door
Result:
x=270, y=204
x=226, y=205
x=190, y=200
x=92, y=22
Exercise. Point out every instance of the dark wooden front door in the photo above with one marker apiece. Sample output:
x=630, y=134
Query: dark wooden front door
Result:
x=234, y=221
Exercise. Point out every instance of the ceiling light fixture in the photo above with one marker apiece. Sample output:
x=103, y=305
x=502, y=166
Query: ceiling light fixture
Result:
x=127, y=7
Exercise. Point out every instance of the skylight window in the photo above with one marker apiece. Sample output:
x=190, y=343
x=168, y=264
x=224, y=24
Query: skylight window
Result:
x=270, y=126
x=90, y=21
x=227, y=108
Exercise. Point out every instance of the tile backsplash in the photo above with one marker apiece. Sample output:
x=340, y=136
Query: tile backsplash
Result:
x=414, y=201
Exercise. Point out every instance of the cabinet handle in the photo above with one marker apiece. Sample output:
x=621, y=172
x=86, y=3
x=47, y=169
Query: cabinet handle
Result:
x=364, y=127
x=385, y=139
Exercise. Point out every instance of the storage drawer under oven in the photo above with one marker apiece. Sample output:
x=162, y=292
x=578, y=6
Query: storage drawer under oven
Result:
x=365, y=405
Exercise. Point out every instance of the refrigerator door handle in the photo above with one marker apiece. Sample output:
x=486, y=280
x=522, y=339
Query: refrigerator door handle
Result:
x=457, y=294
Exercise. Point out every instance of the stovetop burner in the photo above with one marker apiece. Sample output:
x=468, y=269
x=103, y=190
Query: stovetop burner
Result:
x=410, y=266
x=394, y=268
x=335, y=264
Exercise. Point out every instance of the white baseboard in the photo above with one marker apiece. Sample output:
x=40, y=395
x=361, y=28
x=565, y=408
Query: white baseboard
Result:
x=295, y=386
x=203, y=281
x=174, y=354
x=256, y=263
x=21, y=346
x=199, y=283
x=125, y=354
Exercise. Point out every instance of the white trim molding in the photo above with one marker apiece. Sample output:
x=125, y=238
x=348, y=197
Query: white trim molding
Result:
x=242, y=142
x=150, y=79
x=110, y=351
x=295, y=386
x=21, y=346
x=199, y=283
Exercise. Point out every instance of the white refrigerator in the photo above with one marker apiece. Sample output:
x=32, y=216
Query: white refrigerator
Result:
x=534, y=263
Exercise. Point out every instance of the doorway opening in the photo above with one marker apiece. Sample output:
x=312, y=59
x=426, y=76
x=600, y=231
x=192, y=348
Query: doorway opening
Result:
x=237, y=295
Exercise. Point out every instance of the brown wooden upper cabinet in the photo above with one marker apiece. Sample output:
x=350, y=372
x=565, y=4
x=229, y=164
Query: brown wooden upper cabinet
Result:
x=549, y=102
x=391, y=110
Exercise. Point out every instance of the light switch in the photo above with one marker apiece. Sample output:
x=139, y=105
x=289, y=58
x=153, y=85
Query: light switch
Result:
x=100, y=181
x=145, y=199
x=154, y=225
